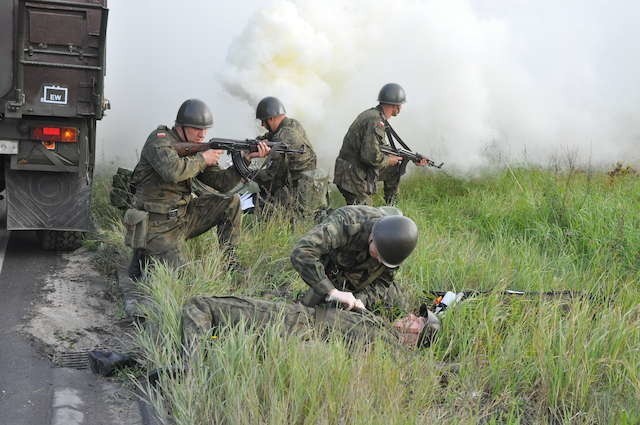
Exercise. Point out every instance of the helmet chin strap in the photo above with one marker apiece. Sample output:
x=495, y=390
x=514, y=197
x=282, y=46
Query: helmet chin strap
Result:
x=184, y=134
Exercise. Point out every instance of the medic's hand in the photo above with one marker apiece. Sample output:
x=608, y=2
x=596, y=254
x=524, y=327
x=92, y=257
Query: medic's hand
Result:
x=359, y=306
x=345, y=298
x=263, y=150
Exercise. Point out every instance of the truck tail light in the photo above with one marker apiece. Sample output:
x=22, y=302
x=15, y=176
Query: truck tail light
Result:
x=55, y=134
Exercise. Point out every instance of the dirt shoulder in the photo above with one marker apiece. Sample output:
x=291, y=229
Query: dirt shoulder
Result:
x=78, y=310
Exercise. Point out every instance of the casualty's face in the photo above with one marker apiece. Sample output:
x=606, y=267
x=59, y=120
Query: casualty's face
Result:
x=195, y=135
x=409, y=328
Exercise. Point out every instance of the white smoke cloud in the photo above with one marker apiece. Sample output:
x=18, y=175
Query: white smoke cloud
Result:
x=535, y=77
x=516, y=76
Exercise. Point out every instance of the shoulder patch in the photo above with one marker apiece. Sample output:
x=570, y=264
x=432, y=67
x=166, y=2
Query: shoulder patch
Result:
x=379, y=124
x=161, y=134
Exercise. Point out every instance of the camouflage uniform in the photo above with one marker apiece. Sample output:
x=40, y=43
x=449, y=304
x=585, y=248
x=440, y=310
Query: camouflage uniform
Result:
x=335, y=254
x=202, y=315
x=279, y=181
x=162, y=181
x=360, y=160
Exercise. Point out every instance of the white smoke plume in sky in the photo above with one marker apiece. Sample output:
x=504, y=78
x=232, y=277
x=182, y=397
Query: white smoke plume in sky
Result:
x=522, y=80
x=487, y=78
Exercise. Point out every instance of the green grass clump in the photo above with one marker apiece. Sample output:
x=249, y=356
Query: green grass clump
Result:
x=522, y=360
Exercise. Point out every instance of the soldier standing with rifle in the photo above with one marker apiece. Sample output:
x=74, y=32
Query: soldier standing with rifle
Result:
x=165, y=212
x=360, y=162
x=279, y=180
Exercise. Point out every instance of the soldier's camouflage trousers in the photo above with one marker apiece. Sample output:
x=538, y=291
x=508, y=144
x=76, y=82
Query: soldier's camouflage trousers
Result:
x=390, y=176
x=355, y=198
x=167, y=235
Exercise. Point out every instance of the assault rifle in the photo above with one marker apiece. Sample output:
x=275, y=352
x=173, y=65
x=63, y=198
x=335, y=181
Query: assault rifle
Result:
x=445, y=299
x=475, y=292
x=235, y=149
x=403, y=150
x=408, y=155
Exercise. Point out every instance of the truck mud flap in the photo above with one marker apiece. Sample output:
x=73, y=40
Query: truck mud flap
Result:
x=47, y=200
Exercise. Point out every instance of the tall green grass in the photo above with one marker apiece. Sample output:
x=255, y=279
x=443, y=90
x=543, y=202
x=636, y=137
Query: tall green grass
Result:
x=522, y=360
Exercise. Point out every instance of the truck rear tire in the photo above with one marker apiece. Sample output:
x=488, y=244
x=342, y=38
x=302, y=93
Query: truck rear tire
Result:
x=55, y=240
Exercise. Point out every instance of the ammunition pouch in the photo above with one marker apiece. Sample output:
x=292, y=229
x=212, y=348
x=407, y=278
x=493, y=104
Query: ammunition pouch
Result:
x=137, y=226
x=121, y=195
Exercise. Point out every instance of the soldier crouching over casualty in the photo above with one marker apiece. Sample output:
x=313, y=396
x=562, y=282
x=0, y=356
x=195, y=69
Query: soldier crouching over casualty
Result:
x=351, y=257
x=290, y=181
x=205, y=315
x=166, y=213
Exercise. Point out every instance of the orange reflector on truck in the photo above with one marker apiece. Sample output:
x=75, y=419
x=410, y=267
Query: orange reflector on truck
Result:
x=55, y=134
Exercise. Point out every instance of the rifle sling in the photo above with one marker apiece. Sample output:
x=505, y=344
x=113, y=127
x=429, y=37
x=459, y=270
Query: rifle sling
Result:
x=392, y=134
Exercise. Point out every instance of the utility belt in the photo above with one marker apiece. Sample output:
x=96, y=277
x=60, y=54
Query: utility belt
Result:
x=159, y=211
x=171, y=214
x=137, y=221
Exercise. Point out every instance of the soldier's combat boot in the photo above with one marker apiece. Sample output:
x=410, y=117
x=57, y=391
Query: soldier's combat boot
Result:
x=233, y=263
x=136, y=266
x=390, y=199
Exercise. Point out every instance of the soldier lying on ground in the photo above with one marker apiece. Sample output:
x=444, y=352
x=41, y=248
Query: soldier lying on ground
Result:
x=351, y=257
x=203, y=316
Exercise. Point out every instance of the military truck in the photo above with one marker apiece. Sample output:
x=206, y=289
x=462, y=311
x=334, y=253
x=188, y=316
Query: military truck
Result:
x=52, y=67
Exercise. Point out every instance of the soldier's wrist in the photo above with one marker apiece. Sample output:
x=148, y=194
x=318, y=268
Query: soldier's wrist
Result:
x=324, y=286
x=201, y=161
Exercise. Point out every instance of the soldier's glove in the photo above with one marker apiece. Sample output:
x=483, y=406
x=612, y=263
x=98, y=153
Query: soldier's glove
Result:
x=345, y=298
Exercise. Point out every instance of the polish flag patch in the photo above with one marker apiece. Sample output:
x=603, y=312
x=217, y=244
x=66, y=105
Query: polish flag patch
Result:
x=161, y=134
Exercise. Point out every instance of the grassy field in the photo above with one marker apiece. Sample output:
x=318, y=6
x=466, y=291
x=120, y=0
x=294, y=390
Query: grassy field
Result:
x=523, y=360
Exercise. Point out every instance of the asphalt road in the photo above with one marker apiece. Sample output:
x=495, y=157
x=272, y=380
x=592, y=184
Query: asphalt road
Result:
x=32, y=390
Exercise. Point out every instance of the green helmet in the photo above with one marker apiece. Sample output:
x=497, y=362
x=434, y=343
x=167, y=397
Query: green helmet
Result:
x=392, y=94
x=194, y=113
x=269, y=107
x=395, y=237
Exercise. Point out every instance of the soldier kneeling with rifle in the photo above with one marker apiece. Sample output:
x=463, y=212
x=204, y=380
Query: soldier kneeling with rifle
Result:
x=165, y=211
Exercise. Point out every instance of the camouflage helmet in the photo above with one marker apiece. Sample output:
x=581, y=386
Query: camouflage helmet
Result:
x=269, y=107
x=395, y=237
x=392, y=94
x=194, y=113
